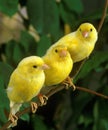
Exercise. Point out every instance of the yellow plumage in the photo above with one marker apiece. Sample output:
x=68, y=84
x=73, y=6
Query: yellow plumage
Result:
x=80, y=43
x=60, y=65
x=25, y=82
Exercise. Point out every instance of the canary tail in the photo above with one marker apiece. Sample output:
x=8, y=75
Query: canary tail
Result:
x=14, y=108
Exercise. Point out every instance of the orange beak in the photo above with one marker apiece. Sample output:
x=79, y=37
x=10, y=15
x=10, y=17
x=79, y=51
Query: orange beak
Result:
x=63, y=53
x=45, y=66
x=85, y=34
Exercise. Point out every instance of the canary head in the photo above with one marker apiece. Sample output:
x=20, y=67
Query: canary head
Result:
x=59, y=52
x=87, y=31
x=32, y=65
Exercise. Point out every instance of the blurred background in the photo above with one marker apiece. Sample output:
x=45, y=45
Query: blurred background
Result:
x=29, y=27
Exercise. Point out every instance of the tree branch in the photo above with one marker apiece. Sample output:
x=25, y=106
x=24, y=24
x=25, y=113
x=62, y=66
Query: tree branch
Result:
x=98, y=30
x=103, y=16
x=52, y=92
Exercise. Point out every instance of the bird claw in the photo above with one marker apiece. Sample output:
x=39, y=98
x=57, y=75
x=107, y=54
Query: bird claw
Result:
x=43, y=99
x=33, y=107
x=13, y=119
x=68, y=83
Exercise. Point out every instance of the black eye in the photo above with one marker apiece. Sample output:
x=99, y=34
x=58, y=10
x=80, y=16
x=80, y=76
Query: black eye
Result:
x=34, y=66
x=91, y=30
x=56, y=50
x=80, y=29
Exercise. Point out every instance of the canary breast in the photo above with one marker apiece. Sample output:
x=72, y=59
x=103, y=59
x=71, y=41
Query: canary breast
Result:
x=23, y=88
x=79, y=49
x=58, y=71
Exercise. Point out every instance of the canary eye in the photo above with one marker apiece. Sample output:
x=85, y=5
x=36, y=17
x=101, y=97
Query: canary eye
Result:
x=91, y=30
x=34, y=66
x=56, y=50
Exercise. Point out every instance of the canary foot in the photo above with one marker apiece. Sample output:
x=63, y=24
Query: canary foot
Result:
x=68, y=82
x=13, y=119
x=43, y=99
x=34, y=107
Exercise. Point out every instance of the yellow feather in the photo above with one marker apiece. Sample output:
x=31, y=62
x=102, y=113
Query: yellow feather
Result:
x=80, y=43
x=25, y=82
x=60, y=65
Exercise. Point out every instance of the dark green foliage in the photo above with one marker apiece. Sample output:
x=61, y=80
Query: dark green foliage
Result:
x=75, y=6
x=44, y=16
x=93, y=64
x=66, y=110
x=9, y=7
x=44, y=41
x=37, y=123
x=3, y=96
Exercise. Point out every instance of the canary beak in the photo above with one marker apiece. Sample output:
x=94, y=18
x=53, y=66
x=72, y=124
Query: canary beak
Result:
x=63, y=53
x=85, y=34
x=45, y=66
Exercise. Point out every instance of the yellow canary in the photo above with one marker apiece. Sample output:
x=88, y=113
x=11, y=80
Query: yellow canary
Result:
x=80, y=43
x=60, y=65
x=25, y=83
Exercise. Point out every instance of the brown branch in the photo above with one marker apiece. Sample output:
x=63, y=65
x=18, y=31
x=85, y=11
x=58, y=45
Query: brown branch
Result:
x=78, y=88
x=103, y=16
x=99, y=28
x=92, y=92
x=52, y=92
x=61, y=87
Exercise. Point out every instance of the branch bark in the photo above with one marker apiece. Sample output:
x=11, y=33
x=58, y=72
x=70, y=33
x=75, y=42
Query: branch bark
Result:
x=52, y=92
x=103, y=16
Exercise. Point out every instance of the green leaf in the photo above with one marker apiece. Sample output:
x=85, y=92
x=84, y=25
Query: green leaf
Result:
x=26, y=40
x=74, y=5
x=26, y=116
x=96, y=60
x=100, y=115
x=2, y=114
x=35, y=12
x=96, y=112
x=103, y=105
x=9, y=7
x=17, y=53
x=44, y=15
x=78, y=105
x=3, y=100
x=13, y=52
x=43, y=45
x=67, y=16
x=5, y=72
x=85, y=119
x=9, y=50
x=37, y=123
x=103, y=125
x=94, y=15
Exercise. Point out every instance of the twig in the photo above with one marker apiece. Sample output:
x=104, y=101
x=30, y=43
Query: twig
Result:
x=103, y=16
x=78, y=88
x=61, y=87
x=98, y=30
x=92, y=92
